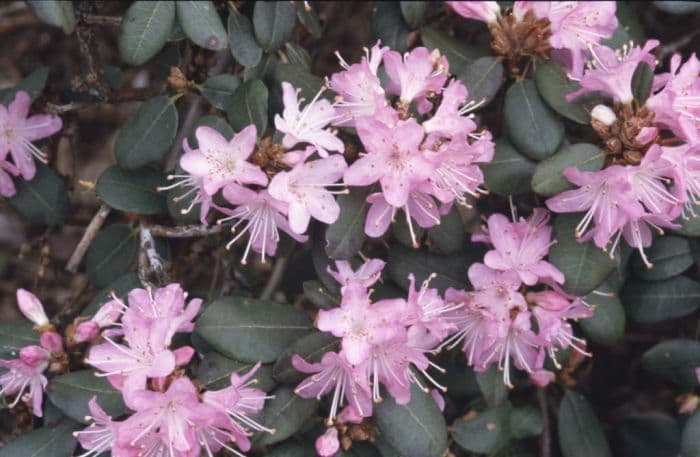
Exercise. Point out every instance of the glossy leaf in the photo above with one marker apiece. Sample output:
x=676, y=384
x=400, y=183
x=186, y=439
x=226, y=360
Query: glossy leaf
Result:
x=33, y=84
x=658, y=301
x=120, y=287
x=607, y=325
x=549, y=179
x=459, y=53
x=580, y=433
x=642, y=80
x=214, y=372
x=59, y=13
x=486, y=433
x=72, y=392
x=248, y=105
x=202, y=24
x=218, y=89
x=413, y=12
x=286, y=413
x=690, y=444
x=14, y=335
x=492, y=386
x=44, y=442
x=525, y=422
x=389, y=26
x=509, y=173
x=244, y=48
x=345, y=236
x=273, y=23
x=251, y=330
x=450, y=235
x=132, y=191
x=111, y=253
x=319, y=295
x=675, y=361
x=44, y=199
x=483, y=78
x=311, y=348
x=670, y=256
x=553, y=85
x=650, y=435
x=309, y=19
x=145, y=29
x=450, y=270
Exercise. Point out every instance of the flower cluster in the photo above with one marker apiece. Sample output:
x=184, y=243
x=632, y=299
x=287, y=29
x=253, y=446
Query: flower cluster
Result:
x=18, y=131
x=651, y=177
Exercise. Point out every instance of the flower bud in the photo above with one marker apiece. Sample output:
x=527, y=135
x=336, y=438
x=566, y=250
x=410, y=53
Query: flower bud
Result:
x=541, y=378
x=32, y=308
x=52, y=342
x=86, y=331
x=604, y=114
x=108, y=313
x=327, y=444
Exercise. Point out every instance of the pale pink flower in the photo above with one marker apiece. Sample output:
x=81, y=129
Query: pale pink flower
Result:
x=481, y=11
x=306, y=189
x=165, y=304
x=366, y=275
x=309, y=124
x=327, y=444
x=194, y=188
x=7, y=171
x=32, y=308
x=106, y=316
x=26, y=373
x=685, y=171
x=542, y=378
x=99, y=436
x=426, y=315
x=220, y=162
x=420, y=207
x=449, y=118
x=52, y=342
x=18, y=130
x=416, y=75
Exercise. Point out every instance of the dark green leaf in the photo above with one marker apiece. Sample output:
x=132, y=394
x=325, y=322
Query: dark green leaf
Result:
x=309, y=19
x=580, y=433
x=677, y=7
x=487, y=433
x=298, y=55
x=403, y=233
x=133, y=191
x=218, y=89
x=58, y=13
x=121, y=287
x=449, y=236
x=450, y=270
x=286, y=413
x=483, y=78
x=459, y=53
x=46, y=441
x=658, y=301
x=492, y=386
x=321, y=261
x=675, y=361
x=148, y=134
x=345, y=236
x=71, y=393
x=145, y=29
x=44, y=199
x=607, y=326
x=688, y=226
x=532, y=127
x=263, y=70
x=629, y=29
x=553, y=85
x=417, y=429
x=321, y=297
x=273, y=23
x=250, y=330
x=202, y=24
x=650, y=435
x=111, y=254
x=585, y=266
x=215, y=122
x=241, y=38
x=525, y=422
x=176, y=33
x=33, y=84
x=214, y=372
x=14, y=335
x=509, y=173
x=690, y=444
x=248, y=105
x=642, y=80
x=292, y=449
x=388, y=25
x=311, y=348
x=413, y=12
x=299, y=77
x=549, y=179
x=670, y=256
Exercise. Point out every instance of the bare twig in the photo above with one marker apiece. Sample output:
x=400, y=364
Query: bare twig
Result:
x=96, y=19
x=93, y=227
x=150, y=262
x=546, y=437
x=185, y=231
x=275, y=277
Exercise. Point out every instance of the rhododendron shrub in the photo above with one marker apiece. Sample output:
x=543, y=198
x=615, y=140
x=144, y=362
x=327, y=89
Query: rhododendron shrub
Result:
x=419, y=229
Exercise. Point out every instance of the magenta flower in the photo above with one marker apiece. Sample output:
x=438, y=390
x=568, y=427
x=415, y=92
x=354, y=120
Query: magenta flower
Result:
x=166, y=304
x=521, y=247
x=365, y=276
x=32, y=308
x=106, y=316
x=7, y=171
x=685, y=171
x=309, y=124
x=420, y=207
x=304, y=188
x=99, y=436
x=611, y=72
x=18, y=130
x=393, y=158
x=220, y=162
x=449, y=119
x=26, y=372
x=327, y=444
x=263, y=215
x=416, y=75
x=480, y=11
x=426, y=315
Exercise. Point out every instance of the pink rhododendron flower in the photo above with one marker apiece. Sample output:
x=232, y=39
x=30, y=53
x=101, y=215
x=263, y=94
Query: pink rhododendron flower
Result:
x=420, y=207
x=106, y=316
x=164, y=304
x=99, y=436
x=449, y=119
x=309, y=124
x=7, y=171
x=426, y=315
x=26, y=373
x=220, y=162
x=304, y=188
x=685, y=171
x=481, y=11
x=194, y=188
x=365, y=276
x=415, y=75
x=32, y=308
x=18, y=130
x=327, y=444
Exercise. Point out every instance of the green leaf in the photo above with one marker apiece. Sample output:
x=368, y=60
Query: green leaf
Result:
x=525, y=422
x=311, y=348
x=675, y=361
x=263, y=70
x=650, y=435
x=218, y=89
x=658, y=301
x=580, y=433
x=670, y=256
x=677, y=7
x=549, y=179
x=57, y=13
x=121, y=287
x=487, y=433
x=71, y=393
x=44, y=199
x=301, y=78
x=483, y=78
x=509, y=173
x=690, y=444
x=111, y=254
x=215, y=122
x=553, y=85
x=14, y=335
x=585, y=266
x=273, y=23
x=248, y=105
x=309, y=19
x=387, y=25
x=532, y=127
x=292, y=449
x=449, y=236
x=642, y=80
x=44, y=442
x=145, y=29
x=133, y=191
x=321, y=261
x=214, y=372
x=688, y=226
x=319, y=295
x=286, y=413
x=345, y=236
x=459, y=53
x=298, y=55
x=492, y=386
x=202, y=24
x=417, y=429
x=33, y=84
x=607, y=325
x=148, y=134
x=250, y=330
x=413, y=12
x=241, y=39
x=450, y=270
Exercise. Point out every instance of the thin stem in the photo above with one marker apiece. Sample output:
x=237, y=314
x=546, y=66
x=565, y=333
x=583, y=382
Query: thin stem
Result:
x=90, y=232
x=545, y=438
x=275, y=277
x=185, y=231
